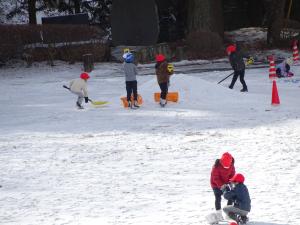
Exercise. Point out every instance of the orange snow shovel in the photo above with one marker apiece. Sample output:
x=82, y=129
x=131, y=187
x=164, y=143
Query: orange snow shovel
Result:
x=125, y=102
x=171, y=96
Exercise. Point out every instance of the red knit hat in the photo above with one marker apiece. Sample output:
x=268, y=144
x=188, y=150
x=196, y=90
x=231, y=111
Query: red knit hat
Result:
x=160, y=58
x=233, y=223
x=226, y=160
x=84, y=76
x=238, y=177
x=231, y=48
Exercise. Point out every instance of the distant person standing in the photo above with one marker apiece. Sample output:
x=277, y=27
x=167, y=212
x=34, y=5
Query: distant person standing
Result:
x=222, y=171
x=237, y=63
x=130, y=71
x=163, y=74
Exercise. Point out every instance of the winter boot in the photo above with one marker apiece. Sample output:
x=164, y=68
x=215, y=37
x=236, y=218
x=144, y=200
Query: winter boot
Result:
x=232, y=216
x=79, y=106
x=243, y=219
x=129, y=104
x=230, y=86
x=244, y=90
x=162, y=102
x=219, y=215
x=135, y=104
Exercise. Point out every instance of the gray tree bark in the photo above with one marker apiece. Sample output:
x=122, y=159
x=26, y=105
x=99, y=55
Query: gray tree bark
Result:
x=206, y=15
x=275, y=20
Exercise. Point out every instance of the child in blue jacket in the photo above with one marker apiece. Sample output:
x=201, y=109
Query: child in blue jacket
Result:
x=239, y=195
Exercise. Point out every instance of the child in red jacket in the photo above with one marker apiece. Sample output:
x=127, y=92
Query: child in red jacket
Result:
x=221, y=173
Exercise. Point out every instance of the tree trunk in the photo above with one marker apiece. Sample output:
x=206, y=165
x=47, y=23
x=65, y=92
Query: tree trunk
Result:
x=88, y=63
x=138, y=25
x=32, y=11
x=206, y=15
x=77, y=6
x=275, y=20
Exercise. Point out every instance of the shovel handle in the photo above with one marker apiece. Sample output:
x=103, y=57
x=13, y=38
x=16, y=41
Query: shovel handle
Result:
x=66, y=87
x=225, y=78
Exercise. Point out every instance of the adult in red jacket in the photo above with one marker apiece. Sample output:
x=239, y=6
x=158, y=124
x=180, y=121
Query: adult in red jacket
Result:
x=221, y=173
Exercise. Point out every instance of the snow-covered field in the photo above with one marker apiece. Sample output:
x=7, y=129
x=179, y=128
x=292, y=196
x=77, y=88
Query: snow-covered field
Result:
x=114, y=166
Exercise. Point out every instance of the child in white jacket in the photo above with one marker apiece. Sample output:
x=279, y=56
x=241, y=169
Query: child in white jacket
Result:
x=79, y=87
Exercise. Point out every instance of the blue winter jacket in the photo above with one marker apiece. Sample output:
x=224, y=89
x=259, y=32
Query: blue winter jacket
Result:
x=240, y=197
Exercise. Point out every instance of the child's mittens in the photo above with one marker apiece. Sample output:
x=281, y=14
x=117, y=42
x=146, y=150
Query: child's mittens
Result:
x=250, y=61
x=170, y=68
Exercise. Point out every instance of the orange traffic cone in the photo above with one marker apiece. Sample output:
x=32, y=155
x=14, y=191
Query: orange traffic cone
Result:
x=272, y=69
x=275, y=97
x=296, y=58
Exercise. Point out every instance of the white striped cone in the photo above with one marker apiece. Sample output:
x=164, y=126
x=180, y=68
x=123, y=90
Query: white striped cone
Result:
x=295, y=53
x=272, y=69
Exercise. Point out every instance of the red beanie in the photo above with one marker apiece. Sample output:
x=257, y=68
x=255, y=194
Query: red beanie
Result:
x=237, y=178
x=226, y=160
x=230, y=49
x=84, y=76
x=160, y=58
x=233, y=223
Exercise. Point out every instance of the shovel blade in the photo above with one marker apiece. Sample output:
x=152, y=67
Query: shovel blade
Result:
x=99, y=102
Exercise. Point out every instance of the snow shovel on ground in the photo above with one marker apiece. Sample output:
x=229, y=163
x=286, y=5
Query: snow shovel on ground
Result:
x=93, y=102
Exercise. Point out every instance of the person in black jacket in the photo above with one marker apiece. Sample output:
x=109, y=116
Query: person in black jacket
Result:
x=239, y=195
x=238, y=65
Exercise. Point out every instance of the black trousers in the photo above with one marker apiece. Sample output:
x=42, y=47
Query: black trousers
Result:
x=237, y=74
x=131, y=87
x=164, y=90
x=218, y=197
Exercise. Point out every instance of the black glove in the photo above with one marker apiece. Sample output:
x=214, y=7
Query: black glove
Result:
x=86, y=99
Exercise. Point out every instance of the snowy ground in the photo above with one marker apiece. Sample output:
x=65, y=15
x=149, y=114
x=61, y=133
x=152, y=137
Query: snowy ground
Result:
x=110, y=165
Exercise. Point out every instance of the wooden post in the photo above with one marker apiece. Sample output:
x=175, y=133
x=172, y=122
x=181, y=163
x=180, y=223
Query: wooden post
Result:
x=51, y=54
x=88, y=62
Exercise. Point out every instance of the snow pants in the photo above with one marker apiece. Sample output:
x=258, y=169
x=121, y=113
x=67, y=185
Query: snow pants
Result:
x=80, y=96
x=237, y=74
x=284, y=73
x=131, y=87
x=230, y=209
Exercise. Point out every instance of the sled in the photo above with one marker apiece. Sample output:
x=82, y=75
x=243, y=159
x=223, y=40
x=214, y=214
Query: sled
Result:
x=98, y=103
x=212, y=219
x=171, y=97
x=125, y=103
